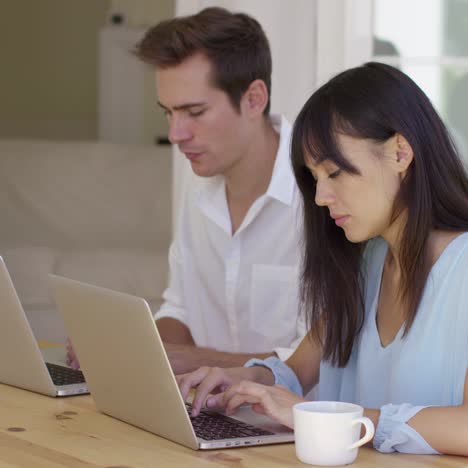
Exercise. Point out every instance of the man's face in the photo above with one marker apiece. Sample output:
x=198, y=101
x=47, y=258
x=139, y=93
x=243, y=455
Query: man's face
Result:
x=210, y=132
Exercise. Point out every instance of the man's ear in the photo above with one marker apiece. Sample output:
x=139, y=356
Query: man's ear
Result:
x=403, y=153
x=255, y=98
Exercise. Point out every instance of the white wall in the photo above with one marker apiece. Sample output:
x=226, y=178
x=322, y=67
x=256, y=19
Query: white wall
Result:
x=344, y=36
x=48, y=53
x=128, y=105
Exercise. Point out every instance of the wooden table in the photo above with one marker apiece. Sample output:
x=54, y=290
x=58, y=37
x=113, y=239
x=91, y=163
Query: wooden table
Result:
x=44, y=432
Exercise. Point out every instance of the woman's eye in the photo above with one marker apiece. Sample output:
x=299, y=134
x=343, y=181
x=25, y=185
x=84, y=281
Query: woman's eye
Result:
x=335, y=174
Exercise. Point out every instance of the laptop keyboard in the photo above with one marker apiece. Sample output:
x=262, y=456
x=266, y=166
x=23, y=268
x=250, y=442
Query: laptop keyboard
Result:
x=215, y=426
x=62, y=375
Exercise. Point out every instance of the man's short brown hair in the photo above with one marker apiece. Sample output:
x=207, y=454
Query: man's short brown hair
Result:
x=235, y=44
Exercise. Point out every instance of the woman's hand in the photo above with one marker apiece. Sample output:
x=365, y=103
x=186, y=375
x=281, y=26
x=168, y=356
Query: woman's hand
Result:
x=275, y=402
x=211, y=382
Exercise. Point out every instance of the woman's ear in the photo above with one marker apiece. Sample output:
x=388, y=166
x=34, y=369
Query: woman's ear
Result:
x=403, y=153
x=255, y=98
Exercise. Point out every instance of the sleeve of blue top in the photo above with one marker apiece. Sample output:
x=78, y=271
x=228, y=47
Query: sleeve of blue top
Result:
x=283, y=374
x=394, y=435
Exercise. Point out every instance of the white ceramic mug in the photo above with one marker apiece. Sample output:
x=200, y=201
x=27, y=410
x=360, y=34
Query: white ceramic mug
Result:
x=327, y=432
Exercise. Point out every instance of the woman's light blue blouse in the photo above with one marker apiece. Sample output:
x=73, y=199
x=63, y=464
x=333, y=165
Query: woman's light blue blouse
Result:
x=428, y=365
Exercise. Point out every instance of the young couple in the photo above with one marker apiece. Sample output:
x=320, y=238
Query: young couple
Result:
x=382, y=243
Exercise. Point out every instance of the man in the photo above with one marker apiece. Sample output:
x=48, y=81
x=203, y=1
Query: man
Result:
x=232, y=293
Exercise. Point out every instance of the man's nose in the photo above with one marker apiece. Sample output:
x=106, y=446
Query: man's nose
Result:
x=179, y=130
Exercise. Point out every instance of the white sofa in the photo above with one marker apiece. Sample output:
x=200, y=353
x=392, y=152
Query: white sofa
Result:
x=92, y=211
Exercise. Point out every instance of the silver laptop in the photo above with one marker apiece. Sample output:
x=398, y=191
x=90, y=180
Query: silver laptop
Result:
x=21, y=361
x=130, y=378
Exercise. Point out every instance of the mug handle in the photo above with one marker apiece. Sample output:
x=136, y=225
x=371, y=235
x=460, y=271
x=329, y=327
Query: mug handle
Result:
x=367, y=436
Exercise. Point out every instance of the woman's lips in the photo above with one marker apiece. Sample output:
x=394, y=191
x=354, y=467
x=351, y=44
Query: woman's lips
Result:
x=340, y=220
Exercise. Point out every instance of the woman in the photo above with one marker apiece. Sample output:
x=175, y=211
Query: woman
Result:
x=385, y=271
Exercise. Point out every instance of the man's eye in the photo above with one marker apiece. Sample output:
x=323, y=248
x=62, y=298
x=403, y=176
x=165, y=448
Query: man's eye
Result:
x=196, y=113
x=335, y=174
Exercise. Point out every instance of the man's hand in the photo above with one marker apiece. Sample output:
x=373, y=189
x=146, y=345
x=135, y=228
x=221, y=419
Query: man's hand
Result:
x=72, y=359
x=183, y=358
x=187, y=358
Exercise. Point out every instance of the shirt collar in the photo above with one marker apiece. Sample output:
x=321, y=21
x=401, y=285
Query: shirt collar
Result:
x=211, y=191
x=282, y=181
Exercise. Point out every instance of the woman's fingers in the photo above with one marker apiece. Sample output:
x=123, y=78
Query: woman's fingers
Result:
x=215, y=389
x=213, y=381
x=215, y=401
x=244, y=392
x=241, y=399
x=188, y=381
x=275, y=402
x=258, y=408
x=207, y=380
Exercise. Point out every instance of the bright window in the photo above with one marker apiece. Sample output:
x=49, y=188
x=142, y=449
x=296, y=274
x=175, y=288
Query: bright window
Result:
x=428, y=40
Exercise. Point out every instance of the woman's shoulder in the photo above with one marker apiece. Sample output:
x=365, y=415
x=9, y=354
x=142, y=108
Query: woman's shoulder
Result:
x=449, y=249
x=441, y=241
x=450, y=266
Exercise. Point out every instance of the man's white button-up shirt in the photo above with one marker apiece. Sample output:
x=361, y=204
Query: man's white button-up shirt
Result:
x=239, y=293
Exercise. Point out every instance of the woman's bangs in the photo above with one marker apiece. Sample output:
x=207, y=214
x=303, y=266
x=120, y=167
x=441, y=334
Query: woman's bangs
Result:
x=319, y=140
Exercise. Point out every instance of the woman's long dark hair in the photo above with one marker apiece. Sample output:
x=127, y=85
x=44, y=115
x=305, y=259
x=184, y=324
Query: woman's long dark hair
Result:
x=373, y=101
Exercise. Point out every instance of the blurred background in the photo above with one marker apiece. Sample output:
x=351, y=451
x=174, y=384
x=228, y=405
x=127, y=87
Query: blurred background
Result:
x=66, y=71
x=90, y=187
